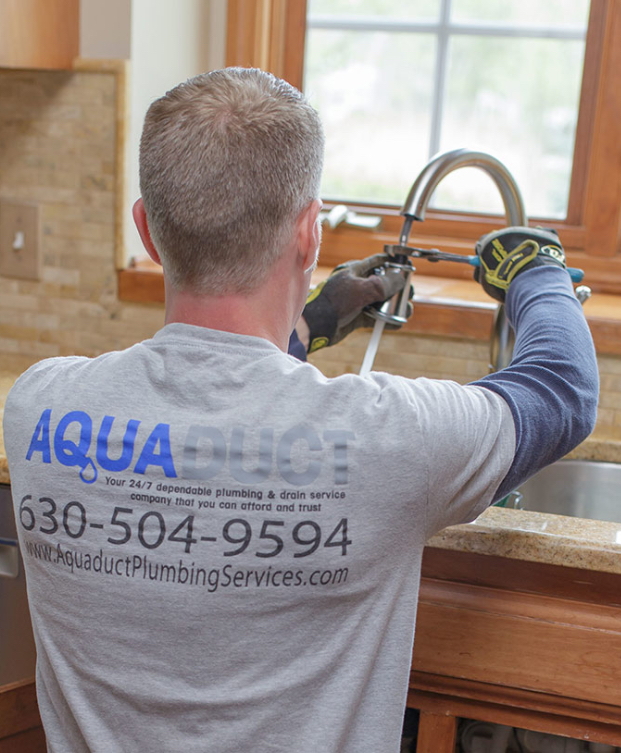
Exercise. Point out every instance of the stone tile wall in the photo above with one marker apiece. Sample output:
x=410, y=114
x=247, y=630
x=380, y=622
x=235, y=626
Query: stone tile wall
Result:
x=609, y=415
x=58, y=148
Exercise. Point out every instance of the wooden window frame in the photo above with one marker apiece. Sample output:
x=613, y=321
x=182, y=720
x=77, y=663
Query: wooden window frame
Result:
x=270, y=34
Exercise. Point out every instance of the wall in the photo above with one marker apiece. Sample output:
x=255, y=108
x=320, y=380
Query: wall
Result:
x=170, y=42
x=167, y=42
x=105, y=29
x=58, y=148
x=59, y=142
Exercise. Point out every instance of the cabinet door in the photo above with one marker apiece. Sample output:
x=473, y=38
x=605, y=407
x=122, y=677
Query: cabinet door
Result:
x=17, y=647
x=39, y=33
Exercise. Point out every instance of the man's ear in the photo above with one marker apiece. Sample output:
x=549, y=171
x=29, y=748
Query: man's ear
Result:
x=140, y=218
x=309, y=235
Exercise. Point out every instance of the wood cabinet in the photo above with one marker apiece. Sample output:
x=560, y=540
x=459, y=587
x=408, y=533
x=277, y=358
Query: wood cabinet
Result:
x=39, y=33
x=524, y=644
x=518, y=643
x=20, y=723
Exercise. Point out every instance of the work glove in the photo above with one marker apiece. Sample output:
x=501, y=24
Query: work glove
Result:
x=336, y=306
x=505, y=253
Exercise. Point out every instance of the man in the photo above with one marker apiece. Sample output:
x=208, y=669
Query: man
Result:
x=222, y=545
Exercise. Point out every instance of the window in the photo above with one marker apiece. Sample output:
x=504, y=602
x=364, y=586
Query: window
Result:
x=586, y=210
x=396, y=83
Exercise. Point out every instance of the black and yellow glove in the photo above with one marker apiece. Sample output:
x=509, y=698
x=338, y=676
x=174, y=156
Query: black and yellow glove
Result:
x=336, y=306
x=505, y=253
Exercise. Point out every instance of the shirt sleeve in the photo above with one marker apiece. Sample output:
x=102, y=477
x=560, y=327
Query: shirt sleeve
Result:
x=552, y=383
x=296, y=348
x=468, y=442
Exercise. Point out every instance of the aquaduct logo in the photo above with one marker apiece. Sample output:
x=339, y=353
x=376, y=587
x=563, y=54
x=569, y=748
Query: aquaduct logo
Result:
x=299, y=455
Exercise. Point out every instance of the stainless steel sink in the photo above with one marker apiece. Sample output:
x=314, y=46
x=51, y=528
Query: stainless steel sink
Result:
x=579, y=488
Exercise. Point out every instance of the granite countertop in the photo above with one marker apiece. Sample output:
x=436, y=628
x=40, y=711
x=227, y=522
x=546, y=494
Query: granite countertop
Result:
x=516, y=534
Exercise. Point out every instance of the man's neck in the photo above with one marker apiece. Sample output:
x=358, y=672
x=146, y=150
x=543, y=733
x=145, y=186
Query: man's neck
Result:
x=227, y=314
x=270, y=312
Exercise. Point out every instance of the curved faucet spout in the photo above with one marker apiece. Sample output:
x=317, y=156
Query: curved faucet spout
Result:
x=415, y=208
x=442, y=164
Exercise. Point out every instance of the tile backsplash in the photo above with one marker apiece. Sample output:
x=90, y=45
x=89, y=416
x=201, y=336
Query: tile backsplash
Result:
x=58, y=148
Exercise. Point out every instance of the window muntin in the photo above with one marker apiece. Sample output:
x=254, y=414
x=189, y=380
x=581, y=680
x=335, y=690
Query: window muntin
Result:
x=418, y=10
x=555, y=13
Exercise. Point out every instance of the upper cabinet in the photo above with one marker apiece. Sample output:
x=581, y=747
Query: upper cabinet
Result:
x=39, y=33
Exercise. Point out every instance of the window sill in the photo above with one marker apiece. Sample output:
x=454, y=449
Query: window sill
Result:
x=444, y=306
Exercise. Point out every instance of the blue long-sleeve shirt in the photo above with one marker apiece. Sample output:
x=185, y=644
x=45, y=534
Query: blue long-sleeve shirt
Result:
x=296, y=348
x=552, y=382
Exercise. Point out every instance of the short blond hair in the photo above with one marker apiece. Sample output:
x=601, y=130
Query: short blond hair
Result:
x=228, y=160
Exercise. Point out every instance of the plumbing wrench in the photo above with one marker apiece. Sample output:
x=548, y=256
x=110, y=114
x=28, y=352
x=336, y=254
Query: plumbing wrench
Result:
x=434, y=254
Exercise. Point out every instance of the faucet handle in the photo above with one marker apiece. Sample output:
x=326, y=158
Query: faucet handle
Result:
x=341, y=214
x=583, y=293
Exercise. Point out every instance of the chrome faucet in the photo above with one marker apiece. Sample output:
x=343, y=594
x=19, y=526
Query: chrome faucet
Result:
x=415, y=208
x=441, y=165
x=395, y=310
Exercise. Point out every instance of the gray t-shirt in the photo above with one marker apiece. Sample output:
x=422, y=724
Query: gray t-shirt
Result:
x=223, y=546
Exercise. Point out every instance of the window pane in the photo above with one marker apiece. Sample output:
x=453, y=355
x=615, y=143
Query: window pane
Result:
x=527, y=12
x=518, y=100
x=413, y=9
x=373, y=91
